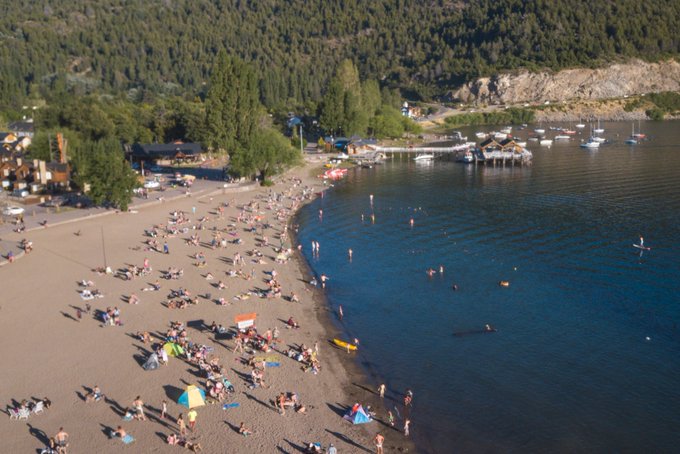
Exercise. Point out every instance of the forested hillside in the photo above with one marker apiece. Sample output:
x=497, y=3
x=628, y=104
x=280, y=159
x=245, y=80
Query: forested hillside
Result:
x=139, y=47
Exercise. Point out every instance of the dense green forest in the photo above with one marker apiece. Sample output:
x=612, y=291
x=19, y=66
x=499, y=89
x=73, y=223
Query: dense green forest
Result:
x=145, y=48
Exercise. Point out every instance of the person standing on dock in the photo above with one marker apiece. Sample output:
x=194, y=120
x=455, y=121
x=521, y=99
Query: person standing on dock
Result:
x=407, y=423
x=381, y=390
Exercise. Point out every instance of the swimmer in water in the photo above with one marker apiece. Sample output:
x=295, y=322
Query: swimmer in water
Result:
x=349, y=253
x=411, y=222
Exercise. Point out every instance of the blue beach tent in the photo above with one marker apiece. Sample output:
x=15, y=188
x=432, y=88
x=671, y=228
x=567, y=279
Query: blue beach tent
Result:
x=357, y=415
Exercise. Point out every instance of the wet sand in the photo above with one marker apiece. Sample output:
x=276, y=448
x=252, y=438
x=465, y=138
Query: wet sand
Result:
x=49, y=352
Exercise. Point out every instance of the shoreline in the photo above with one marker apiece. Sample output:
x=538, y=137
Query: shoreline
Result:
x=365, y=381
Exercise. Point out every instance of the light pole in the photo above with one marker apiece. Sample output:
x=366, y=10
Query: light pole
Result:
x=301, y=151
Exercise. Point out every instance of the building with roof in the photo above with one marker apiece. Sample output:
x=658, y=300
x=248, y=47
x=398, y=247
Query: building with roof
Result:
x=166, y=153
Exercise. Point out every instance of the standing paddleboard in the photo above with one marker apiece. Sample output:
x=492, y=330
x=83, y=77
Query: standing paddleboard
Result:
x=644, y=248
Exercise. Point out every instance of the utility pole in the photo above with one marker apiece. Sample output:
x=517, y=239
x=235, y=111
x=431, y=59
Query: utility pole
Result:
x=301, y=150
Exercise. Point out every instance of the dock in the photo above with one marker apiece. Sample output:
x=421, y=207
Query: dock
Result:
x=509, y=153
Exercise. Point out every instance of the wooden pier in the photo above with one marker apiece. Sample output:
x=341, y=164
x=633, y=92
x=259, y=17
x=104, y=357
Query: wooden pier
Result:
x=502, y=157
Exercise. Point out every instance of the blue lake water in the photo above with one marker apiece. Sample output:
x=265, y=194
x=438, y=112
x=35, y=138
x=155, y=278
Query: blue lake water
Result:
x=570, y=368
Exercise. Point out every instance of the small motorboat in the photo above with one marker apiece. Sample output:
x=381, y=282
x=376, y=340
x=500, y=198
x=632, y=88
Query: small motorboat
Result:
x=590, y=144
x=467, y=158
x=545, y=142
x=425, y=157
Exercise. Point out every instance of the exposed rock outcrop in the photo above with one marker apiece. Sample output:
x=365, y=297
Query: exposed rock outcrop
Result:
x=614, y=81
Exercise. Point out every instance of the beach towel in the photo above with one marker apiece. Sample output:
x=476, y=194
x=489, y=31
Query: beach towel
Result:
x=272, y=364
x=231, y=405
x=127, y=439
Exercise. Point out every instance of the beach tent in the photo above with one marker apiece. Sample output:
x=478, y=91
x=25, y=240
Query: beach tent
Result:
x=173, y=349
x=152, y=362
x=192, y=397
x=357, y=415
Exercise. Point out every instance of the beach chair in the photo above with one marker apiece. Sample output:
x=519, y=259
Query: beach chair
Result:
x=24, y=413
x=39, y=407
x=13, y=413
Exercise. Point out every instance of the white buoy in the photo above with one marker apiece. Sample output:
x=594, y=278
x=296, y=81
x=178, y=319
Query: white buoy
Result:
x=648, y=338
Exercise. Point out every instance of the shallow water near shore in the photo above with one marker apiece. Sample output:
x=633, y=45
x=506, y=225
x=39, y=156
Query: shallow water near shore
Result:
x=570, y=368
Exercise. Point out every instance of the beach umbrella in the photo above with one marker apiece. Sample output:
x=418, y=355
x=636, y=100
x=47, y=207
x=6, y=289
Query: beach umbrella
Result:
x=192, y=397
x=173, y=349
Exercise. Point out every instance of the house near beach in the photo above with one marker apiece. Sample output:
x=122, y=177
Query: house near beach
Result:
x=176, y=152
x=37, y=175
x=510, y=145
x=22, y=128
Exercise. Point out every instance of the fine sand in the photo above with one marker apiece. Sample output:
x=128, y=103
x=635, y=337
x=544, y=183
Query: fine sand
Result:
x=48, y=352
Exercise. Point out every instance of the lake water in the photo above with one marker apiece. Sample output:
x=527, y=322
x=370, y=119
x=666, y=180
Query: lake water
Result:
x=570, y=368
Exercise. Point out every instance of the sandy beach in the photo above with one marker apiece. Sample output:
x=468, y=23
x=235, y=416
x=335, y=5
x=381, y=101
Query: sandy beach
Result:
x=50, y=352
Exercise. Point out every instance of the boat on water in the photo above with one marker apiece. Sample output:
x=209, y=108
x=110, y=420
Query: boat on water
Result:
x=507, y=130
x=539, y=131
x=467, y=158
x=425, y=157
x=598, y=139
x=522, y=144
x=345, y=345
x=599, y=129
x=334, y=174
x=481, y=135
x=580, y=125
x=569, y=132
x=635, y=138
x=545, y=142
x=562, y=137
x=590, y=144
x=500, y=136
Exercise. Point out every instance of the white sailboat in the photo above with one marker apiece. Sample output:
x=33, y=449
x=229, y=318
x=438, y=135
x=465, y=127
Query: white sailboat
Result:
x=598, y=130
x=580, y=125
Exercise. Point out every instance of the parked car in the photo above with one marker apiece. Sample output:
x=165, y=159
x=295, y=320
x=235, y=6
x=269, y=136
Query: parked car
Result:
x=12, y=211
x=151, y=184
x=54, y=202
x=20, y=193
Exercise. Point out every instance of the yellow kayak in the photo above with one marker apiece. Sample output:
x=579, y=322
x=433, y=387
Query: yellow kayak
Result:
x=344, y=344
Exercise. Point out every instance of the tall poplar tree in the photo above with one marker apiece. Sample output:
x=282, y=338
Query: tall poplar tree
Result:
x=232, y=104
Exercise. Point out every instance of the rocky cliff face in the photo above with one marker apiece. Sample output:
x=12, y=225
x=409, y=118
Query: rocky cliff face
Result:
x=614, y=81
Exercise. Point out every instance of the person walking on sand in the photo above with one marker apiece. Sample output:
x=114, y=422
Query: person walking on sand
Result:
x=381, y=390
x=390, y=418
x=138, y=406
x=164, y=409
x=340, y=314
x=379, y=440
x=166, y=248
x=332, y=449
x=407, y=423
x=181, y=424
x=192, y=419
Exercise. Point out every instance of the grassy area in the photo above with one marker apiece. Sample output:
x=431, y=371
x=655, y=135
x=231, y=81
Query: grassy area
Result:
x=511, y=116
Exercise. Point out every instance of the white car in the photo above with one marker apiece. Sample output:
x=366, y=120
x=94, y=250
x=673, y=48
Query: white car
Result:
x=12, y=211
x=151, y=184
